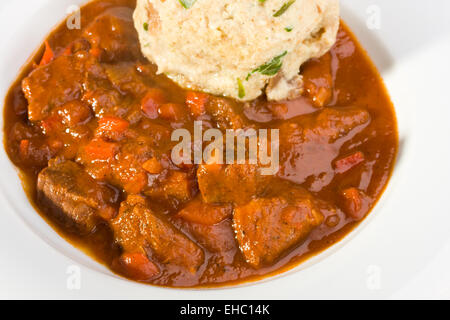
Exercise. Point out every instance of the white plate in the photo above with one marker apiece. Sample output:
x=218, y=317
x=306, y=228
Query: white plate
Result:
x=401, y=250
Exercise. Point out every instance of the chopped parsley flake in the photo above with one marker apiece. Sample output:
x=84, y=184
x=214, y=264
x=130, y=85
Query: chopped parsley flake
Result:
x=270, y=68
x=284, y=8
x=187, y=3
x=241, y=89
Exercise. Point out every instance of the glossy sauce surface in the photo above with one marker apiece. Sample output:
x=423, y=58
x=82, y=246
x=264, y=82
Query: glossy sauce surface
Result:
x=346, y=169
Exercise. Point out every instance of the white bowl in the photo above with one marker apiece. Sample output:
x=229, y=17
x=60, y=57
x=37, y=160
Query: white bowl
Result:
x=389, y=254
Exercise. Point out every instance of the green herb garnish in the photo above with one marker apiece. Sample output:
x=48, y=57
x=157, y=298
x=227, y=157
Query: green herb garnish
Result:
x=284, y=8
x=187, y=3
x=270, y=68
x=288, y=29
x=145, y=26
x=241, y=89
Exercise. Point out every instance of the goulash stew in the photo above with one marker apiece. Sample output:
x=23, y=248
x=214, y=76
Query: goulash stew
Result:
x=89, y=125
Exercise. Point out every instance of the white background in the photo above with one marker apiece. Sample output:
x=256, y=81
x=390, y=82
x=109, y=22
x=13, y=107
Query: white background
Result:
x=402, y=251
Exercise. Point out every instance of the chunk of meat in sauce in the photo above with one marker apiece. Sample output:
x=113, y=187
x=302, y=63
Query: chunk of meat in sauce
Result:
x=236, y=183
x=173, y=185
x=119, y=164
x=115, y=90
x=125, y=77
x=210, y=225
x=332, y=124
x=218, y=238
x=80, y=199
x=137, y=228
x=28, y=145
x=114, y=35
x=53, y=85
x=72, y=114
x=309, y=144
x=318, y=80
x=197, y=211
x=268, y=227
x=66, y=128
x=224, y=113
x=104, y=98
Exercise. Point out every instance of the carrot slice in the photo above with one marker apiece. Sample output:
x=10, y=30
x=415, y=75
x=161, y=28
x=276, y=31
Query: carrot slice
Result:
x=95, y=52
x=152, y=101
x=173, y=112
x=48, y=55
x=68, y=50
x=152, y=166
x=347, y=163
x=23, y=148
x=112, y=125
x=98, y=149
x=50, y=124
x=196, y=101
x=354, y=203
x=138, y=267
x=136, y=183
x=197, y=211
x=107, y=213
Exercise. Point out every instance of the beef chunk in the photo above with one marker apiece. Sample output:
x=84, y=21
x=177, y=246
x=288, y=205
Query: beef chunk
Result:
x=268, y=227
x=318, y=80
x=80, y=199
x=53, y=85
x=203, y=213
x=173, y=185
x=114, y=90
x=224, y=113
x=309, y=144
x=126, y=77
x=114, y=34
x=333, y=124
x=138, y=228
x=236, y=183
x=218, y=238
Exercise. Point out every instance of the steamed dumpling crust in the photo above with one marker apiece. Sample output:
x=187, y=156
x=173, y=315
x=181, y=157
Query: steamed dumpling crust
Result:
x=220, y=46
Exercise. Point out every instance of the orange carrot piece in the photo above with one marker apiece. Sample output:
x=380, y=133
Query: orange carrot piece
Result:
x=173, y=112
x=196, y=101
x=98, y=149
x=197, y=211
x=23, y=148
x=96, y=52
x=152, y=101
x=107, y=213
x=136, y=183
x=138, y=267
x=353, y=203
x=152, y=166
x=48, y=55
x=112, y=125
x=347, y=163
x=68, y=50
x=50, y=124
